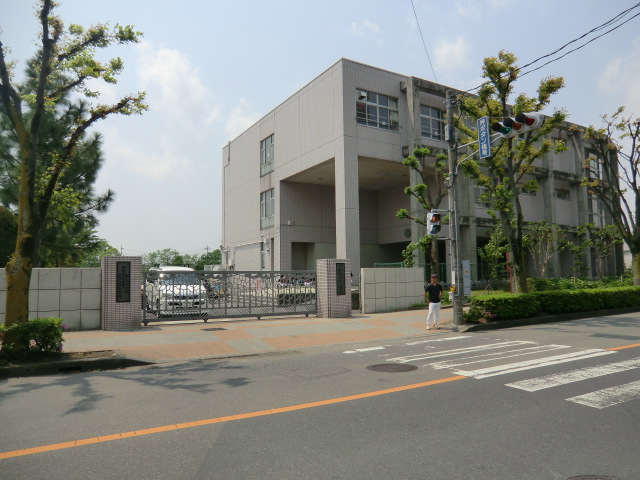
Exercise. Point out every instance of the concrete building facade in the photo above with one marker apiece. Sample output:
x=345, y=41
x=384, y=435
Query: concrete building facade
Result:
x=321, y=176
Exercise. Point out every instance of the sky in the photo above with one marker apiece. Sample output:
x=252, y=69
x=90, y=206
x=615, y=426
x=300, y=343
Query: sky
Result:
x=212, y=68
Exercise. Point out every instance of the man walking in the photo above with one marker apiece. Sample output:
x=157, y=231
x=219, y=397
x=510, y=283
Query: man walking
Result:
x=433, y=296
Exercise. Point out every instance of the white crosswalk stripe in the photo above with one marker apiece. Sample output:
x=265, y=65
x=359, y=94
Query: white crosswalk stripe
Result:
x=492, y=357
x=457, y=351
x=529, y=364
x=609, y=396
x=549, y=381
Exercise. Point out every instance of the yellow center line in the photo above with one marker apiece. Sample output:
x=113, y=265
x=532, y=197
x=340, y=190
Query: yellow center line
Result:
x=210, y=421
x=624, y=346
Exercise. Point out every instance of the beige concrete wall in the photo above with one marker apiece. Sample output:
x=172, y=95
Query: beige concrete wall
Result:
x=390, y=289
x=72, y=294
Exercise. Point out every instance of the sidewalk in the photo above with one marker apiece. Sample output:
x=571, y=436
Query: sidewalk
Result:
x=189, y=340
x=167, y=342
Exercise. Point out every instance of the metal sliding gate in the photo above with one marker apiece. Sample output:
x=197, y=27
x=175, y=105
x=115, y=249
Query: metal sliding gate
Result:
x=184, y=295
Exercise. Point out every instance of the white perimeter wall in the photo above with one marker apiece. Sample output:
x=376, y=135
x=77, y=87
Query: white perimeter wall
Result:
x=72, y=294
x=390, y=289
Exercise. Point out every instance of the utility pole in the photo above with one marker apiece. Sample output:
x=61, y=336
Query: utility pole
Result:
x=453, y=215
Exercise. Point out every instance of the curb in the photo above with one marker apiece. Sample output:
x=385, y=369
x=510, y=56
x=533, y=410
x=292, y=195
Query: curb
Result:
x=523, y=322
x=56, y=367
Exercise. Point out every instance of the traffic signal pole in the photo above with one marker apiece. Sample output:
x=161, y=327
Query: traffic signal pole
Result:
x=453, y=216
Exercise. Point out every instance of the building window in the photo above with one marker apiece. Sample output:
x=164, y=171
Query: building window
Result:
x=481, y=196
x=562, y=194
x=377, y=110
x=595, y=166
x=266, y=155
x=596, y=212
x=267, y=208
x=431, y=123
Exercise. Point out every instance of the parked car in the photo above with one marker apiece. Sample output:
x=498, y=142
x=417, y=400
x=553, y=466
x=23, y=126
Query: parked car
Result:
x=172, y=288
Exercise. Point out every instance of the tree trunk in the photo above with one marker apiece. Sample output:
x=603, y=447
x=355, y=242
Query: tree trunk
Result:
x=434, y=257
x=635, y=266
x=18, y=270
x=17, y=307
x=521, y=261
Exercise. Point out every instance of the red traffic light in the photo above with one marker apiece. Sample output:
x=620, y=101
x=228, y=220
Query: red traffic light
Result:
x=433, y=223
x=530, y=121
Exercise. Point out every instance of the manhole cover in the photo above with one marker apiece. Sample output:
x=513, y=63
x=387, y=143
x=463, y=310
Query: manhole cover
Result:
x=592, y=477
x=392, y=367
x=213, y=329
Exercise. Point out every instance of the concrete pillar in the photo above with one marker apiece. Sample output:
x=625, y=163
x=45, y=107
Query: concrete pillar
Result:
x=348, y=208
x=546, y=186
x=333, y=287
x=121, y=293
x=415, y=140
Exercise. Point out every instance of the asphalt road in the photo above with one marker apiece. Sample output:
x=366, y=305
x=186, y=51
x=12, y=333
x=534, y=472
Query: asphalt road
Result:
x=553, y=401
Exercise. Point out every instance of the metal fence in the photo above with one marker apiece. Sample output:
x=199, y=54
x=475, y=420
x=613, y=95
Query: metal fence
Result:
x=204, y=295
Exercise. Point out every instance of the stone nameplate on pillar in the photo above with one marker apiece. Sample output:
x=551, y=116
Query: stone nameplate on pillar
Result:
x=341, y=283
x=123, y=282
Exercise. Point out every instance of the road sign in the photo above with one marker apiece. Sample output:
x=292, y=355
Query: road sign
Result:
x=484, y=138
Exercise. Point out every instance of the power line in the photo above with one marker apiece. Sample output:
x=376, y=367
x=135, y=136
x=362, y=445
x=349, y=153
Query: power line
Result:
x=606, y=24
x=423, y=42
x=577, y=48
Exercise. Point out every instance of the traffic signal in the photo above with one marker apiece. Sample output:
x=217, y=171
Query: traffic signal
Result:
x=433, y=223
x=523, y=122
x=530, y=121
x=506, y=127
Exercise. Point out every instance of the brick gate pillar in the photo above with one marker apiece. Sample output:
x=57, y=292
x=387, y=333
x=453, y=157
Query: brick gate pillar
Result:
x=121, y=293
x=333, y=287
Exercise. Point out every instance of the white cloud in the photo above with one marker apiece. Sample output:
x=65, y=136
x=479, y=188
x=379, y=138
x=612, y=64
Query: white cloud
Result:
x=452, y=55
x=619, y=79
x=240, y=119
x=475, y=9
x=159, y=160
x=174, y=85
x=467, y=9
x=364, y=29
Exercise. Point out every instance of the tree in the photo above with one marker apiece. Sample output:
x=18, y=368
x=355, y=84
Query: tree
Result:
x=426, y=166
x=64, y=234
x=613, y=176
x=65, y=62
x=171, y=257
x=8, y=234
x=167, y=256
x=495, y=251
x=93, y=258
x=506, y=174
x=542, y=242
x=214, y=257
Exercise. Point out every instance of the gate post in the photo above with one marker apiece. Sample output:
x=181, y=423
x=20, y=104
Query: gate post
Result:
x=333, y=287
x=121, y=293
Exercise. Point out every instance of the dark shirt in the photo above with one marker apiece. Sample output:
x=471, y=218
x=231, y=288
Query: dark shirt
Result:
x=434, y=292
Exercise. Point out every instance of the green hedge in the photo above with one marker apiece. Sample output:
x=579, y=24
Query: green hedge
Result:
x=507, y=306
x=568, y=301
x=39, y=335
x=525, y=305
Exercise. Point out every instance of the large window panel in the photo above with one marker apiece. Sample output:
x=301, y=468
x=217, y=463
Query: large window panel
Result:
x=431, y=122
x=267, y=208
x=377, y=110
x=267, y=155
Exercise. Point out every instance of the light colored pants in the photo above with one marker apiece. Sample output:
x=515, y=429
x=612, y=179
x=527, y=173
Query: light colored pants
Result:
x=434, y=312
